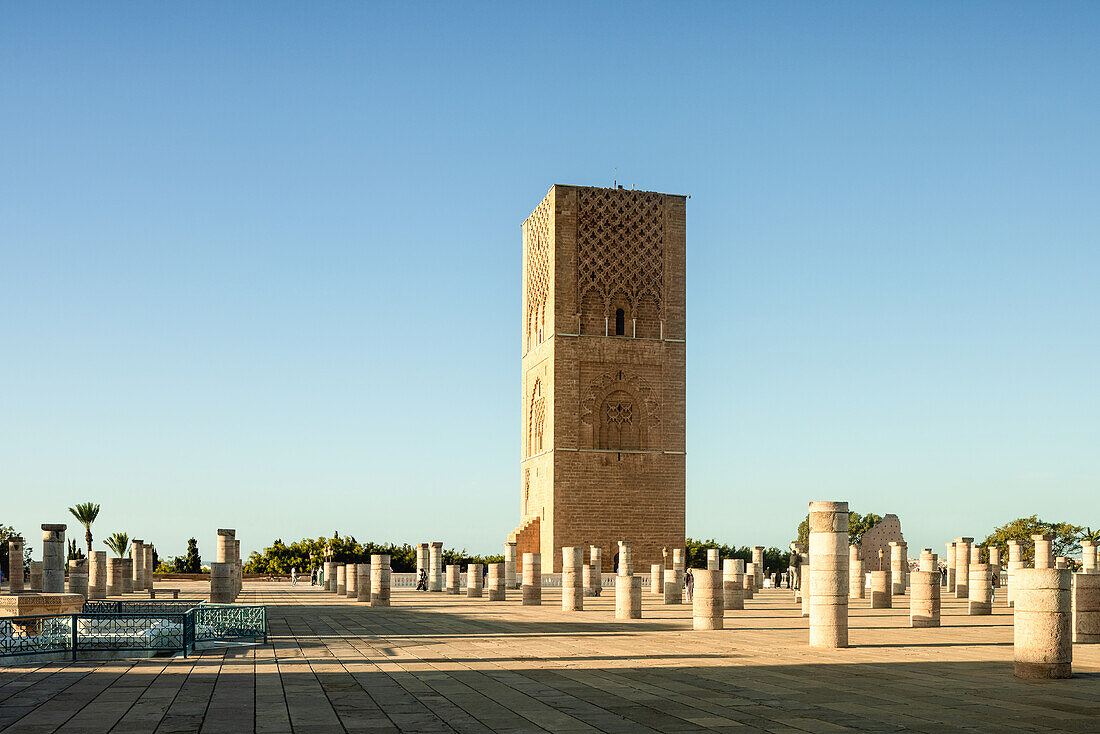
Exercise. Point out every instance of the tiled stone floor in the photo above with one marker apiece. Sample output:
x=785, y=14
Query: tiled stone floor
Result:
x=442, y=663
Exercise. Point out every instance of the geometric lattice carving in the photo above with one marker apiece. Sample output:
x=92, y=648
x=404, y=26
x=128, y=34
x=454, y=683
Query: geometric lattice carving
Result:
x=622, y=411
x=537, y=420
x=620, y=245
x=536, y=237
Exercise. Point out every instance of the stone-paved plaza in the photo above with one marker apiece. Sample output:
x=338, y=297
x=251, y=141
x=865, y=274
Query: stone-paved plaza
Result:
x=435, y=662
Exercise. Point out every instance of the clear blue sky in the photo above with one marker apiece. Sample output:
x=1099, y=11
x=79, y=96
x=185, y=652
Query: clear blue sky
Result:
x=260, y=264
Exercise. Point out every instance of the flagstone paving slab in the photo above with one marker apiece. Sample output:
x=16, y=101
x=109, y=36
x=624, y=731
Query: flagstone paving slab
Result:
x=440, y=663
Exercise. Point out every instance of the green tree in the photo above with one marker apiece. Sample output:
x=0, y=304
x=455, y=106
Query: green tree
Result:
x=7, y=531
x=1066, y=541
x=86, y=513
x=1090, y=534
x=857, y=525
x=191, y=561
x=309, y=553
x=118, y=543
x=775, y=560
x=74, y=552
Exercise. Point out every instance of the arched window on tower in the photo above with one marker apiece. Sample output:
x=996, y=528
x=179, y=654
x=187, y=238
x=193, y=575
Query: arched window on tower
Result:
x=620, y=322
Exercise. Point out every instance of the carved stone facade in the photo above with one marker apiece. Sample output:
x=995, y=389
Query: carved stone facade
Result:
x=603, y=360
x=878, y=538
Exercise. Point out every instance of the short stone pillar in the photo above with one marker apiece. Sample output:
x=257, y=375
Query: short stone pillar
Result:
x=975, y=554
x=1088, y=557
x=807, y=582
x=674, y=579
x=572, y=591
x=881, y=594
x=226, y=547
x=78, y=577
x=222, y=590
x=1086, y=608
x=828, y=574
x=1060, y=562
x=712, y=559
x=749, y=584
x=362, y=582
x=980, y=590
x=380, y=580
x=341, y=579
x=351, y=581
x=127, y=575
x=53, y=559
x=1044, y=557
x=496, y=588
x=114, y=576
x=733, y=592
x=962, y=567
x=423, y=555
x=758, y=566
x=454, y=579
x=1042, y=636
x=330, y=576
x=594, y=585
x=706, y=600
x=586, y=581
x=657, y=579
x=628, y=587
x=1015, y=562
x=899, y=564
x=995, y=565
x=856, y=587
x=97, y=575
x=510, y=581
x=475, y=584
x=532, y=580
x=15, y=564
x=137, y=566
x=924, y=593
x=35, y=581
x=435, y=566
x=949, y=563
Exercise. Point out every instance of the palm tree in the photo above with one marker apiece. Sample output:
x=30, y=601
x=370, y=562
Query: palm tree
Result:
x=1090, y=534
x=118, y=543
x=86, y=514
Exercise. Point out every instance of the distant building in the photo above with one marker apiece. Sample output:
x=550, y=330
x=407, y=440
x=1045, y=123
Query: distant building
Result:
x=885, y=531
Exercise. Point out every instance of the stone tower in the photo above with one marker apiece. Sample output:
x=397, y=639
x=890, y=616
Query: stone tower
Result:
x=603, y=395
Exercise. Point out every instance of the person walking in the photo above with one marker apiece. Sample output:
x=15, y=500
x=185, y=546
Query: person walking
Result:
x=293, y=575
x=689, y=584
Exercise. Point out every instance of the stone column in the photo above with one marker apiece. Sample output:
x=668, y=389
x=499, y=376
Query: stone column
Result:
x=341, y=579
x=657, y=579
x=1042, y=625
x=78, y=577
x=572, y=593
x=674, y=580
x=980, y=590
x=97, y=575
x=36, y=576
x=150, y=568
x=1044, y=558
x=1015, y=562
x=595, y=560
x=435, y=566
x=733, y=595
x=474, y=582
x=1088, y=557
x=221, y=583
x=422, y=560
x=758, y=566
x=454, y=578
x=856, y=588
x=532, y=580
x=330, y=576
x=510, y=565
x=748, y=579
x=975, y=554
x=881, y=595
x=807, y=584
x=949, y=561
x=137, y=566
x=829, y=574
x=238, y=567
x=924, y=592
x=496, y=591
x=226, y=552
x=53, y=559
x=712, y=559
x=114, y=576
x=362, y=582
x=750, y=574
x=898, y=567
x=351, y=581
x=628, y=587
x=706, y=601
x=15, y=564
x=995, y=565
x=128, y=576
x=380, y=580
x=1086, y=608
x=962, y=567
x=1060, y=562
x=586, y=581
